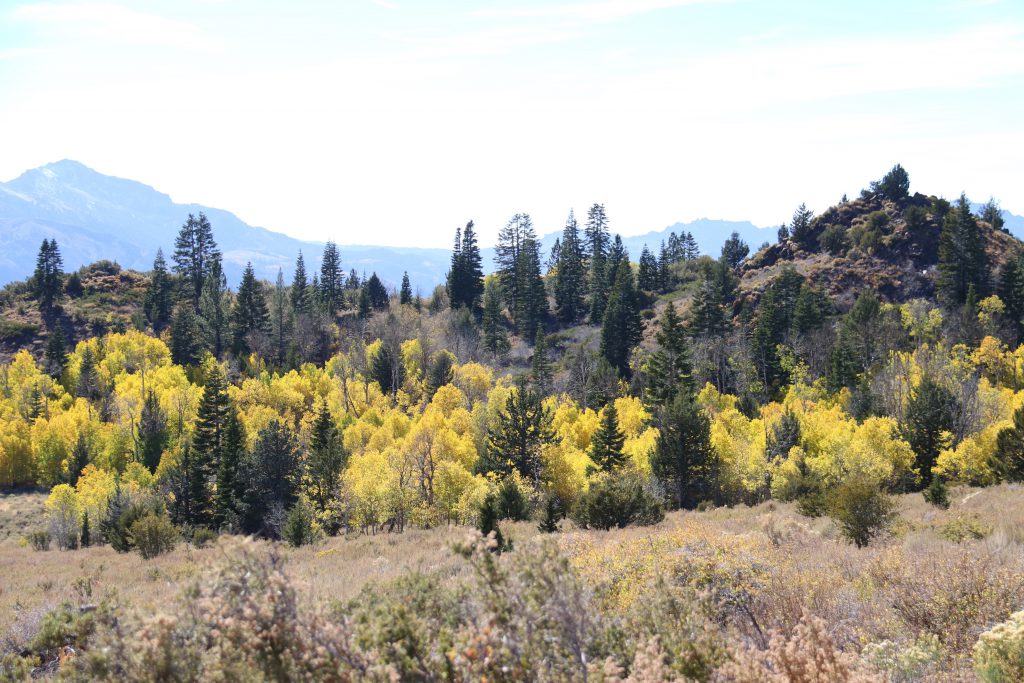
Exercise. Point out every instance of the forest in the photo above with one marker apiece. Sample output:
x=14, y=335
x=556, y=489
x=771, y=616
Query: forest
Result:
x=872, y=352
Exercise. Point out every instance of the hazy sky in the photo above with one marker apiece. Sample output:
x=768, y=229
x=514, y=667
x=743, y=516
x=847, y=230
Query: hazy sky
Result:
x=393, y=121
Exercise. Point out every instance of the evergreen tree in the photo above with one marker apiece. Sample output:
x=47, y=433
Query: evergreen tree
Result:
x=552, y=515
x=229, y=500
x=186, y=336
x=708, y=315
x=195, y=252
x=606, y=445
x=466, y=277
x=533, y=299
x=332, y=279
x=597, y=243
x=405, y=293
x=495, y=338
x=784, y=436
x=281, y=322
x=88, y=378
x=1008, y=461
x=684, y=459
x=540, y=371
x=929, y=419
x=249, y=315
x=992, y=214
x=621, y=328
x=86, y=540
x=895, y=185
x=802, y=228
x=1011, y=291
x=214, y=310
x=570, y=278
x=487, y=524
x=208, y=444
x=152, y=432
x=364, y=302
x=440, y=372
x=353, y=282
x=81, y=456
x=377, y=293
x=668, y=369
x=962, y=258
x=664, y=272
x=56, y=353
x=326, y=459
x=160, y=294
x=300, y=287
x=47, y=281
x=516, y=441
x=647, y=273
x=734, y=250
x=388, y=369
x=271, y=473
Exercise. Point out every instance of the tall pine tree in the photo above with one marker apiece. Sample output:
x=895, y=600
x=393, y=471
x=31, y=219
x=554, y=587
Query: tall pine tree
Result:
x=195, y=252
x=570, y=277
x=208, y=444
x=606, y=446
x=962, y=258
x=250, y=316
x=332, y=280
x=159, y=301
x=621, y=328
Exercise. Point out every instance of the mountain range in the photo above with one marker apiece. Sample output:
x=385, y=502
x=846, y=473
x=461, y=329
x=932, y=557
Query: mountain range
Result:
x=95, y=216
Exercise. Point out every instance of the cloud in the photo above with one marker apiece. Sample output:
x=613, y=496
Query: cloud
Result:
x=385, y=4
x=110, y=22
x=609, y=10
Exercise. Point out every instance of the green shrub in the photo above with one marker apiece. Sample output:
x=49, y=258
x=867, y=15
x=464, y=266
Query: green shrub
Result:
x=299, y=528
x=937, y=493
x=999, y=652
x=153, y=534
x=964, y=528
x=834, y=240
x=203, y=536
x=39, y=540
x=512, y=501
x=618, y=500
x=861, y=509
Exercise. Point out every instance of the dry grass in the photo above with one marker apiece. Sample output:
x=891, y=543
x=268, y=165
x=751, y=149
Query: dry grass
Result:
x=766, y=567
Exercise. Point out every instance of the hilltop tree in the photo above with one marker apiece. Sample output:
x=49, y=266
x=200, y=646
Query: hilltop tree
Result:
x=895, y=185
x=734, y=250
x=516, y=441
x=405, y=293
x=195, y=253
x=621, y=328
x=332, y=280
x=466, y=277
x=160, y=294
x=570, y=277
x=597, y=243
x=47, y=281
x=801, y=229
x=668, y=369
x=606, y=445
x=962, y=258
x=250, y=315
x=300, y=287
x=493, y=327
x=992, y=214
x=684, y=459
x=508, y=260
x=377, y=293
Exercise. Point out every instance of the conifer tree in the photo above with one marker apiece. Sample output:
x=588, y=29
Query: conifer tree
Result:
x=962, y=258
x=533, y=299
x=326, y=459
x=353, y=282
x=510, y=261
x=621, y=328
x=86, y=539
x=186, y=336
x=802, y=228
x=647, y=273
x=215, y=311
x=597, y=243
x=669, y=372
x=272, y=472
x=152, y=432
x=81, y=456
x=208, y=444
x=690, y=248
x=388, y=369
x=440, y=372
x=249, y=315
x=570, y=278
x=516, y=441
x=230, y=494
x=405, y=293
x=281, y=322
x=1008, y=461
x=494, y=336
x=684, y=459
x=159, y=295
x=88, y=378
x=928, y=421
x=708, y=316
x=56, y=353
x=540, y=370
x=734, y=250
x=300, y=287
x=332, y=280
x=466, y=277
x=895, y=185
x=377, y=293
x=47, y=281
x=664, y=272
x=606, y=446
x=195, y=252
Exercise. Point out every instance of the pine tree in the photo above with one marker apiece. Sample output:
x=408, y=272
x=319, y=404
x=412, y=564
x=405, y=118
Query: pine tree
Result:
x=388, y=369
x=708, y=316
x=377, y=293
x=647, y=273
x=160, y=294
x=214, y=311
x=47, y=281
x=186, y=336
x=784, y=436
x=272, y=472
x=230, y=495
x=332, y=280
x=621, y=328
x=152, y=432
x=734, y=250
x=466, y=277
x=551, y=516
x=962, y=258
x=895, y=185
x=86, y=539
x=929, y=419
x=606, y=445
x=300, y=287
x=684, y=459
x=405, y=293
x=992, y=214
x=597, y=243
x=533, y=299
x=326, y=459
x=281, y=322
x=495, y=338
x=690, y=248
x=570, y=278
x=440, y=372
x=668, y=369
x=88, y=378
x=249, y=315
x=208, y=444
x=516, y=441
x=1008, y=460
x=509, y=263
x=540, y=371
x=56, y=353
x=81, y=456
x=352, y=283
x=802, y=228
x=195, y=252
x=664, y=271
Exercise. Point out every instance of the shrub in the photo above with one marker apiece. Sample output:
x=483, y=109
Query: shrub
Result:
x=39, y=540
x=122, y=513
x=964, y=528
x=487, y=524
x=834, y=240
x=552, y=514
x=153, y=534
x=999, y=652
x=299, y=528
x=203, y=536
x=937, y=493
x=861, y=509
x=618, y=500
x=512, y=501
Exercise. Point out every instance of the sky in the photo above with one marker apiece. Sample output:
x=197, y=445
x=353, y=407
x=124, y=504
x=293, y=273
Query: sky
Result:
x=393, y=121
